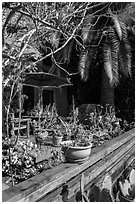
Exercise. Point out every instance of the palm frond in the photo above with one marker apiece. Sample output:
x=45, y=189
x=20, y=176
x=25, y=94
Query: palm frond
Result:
x=125, y=59
x=84, y=64
x=124, y=54
x=114, y=50
x=88, y=29
x=117, y=24
x=67, y=51
x=108, y=64
x=110, y=51
x=92, y=35
x=88, y=56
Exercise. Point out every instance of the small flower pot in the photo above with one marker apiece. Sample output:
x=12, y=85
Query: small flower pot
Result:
x=75, y=154
x=56, y=140
x=41, y=137
x=42, y=134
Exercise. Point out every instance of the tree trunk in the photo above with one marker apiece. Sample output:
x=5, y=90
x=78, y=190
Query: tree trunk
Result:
x=107, y=92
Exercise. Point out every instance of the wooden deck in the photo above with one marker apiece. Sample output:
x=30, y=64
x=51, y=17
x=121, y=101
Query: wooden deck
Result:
x=62, y=183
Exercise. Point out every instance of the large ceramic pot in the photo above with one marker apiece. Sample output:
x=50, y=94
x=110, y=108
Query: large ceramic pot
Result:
x=76, y=154
x=56, y=140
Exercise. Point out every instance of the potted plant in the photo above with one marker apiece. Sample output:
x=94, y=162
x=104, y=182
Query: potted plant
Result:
x=41, y=136
x=57, y=135
x=43, y=127
x=104, y=121
x=78, y=148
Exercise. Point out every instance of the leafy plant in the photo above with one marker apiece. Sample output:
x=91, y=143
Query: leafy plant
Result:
x=127, y=187
x=102, y=125
x=83, y=136
x=77, y=132
x=125, y=192
x=23, y=156
x=49, y=116
x=56, y=158
x=106, y=192
x=36, y=110
x=23, y=161
x=58, y=130
x=105, y=122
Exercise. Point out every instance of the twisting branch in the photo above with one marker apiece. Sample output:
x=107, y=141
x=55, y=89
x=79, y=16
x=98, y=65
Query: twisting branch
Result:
x=11, y=14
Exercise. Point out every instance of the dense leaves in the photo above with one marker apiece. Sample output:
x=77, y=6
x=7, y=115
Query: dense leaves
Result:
x=23, y=161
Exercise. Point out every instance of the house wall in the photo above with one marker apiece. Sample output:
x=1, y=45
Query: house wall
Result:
x=61, y=100
x=61, y=94
x=36, y=96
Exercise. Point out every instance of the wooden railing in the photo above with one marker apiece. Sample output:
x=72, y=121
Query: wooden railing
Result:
x=62, y=183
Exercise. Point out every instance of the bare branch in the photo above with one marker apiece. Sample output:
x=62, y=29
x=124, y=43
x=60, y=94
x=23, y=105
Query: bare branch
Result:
x=30, y=34
x=72, y=35
x=8, y=56
x=48, y=25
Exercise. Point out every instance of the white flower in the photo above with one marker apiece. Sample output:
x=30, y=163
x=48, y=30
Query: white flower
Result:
x=31, y=144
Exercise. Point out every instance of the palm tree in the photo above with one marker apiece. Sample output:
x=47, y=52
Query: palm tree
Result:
x=110, y=33
x=102, y=30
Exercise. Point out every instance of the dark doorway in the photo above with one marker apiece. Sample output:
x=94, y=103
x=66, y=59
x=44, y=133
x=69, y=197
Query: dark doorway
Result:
x=29, y=102
x=47, y=97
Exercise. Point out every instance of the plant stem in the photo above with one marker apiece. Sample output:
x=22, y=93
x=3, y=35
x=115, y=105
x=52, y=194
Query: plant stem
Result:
x=10, y=167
